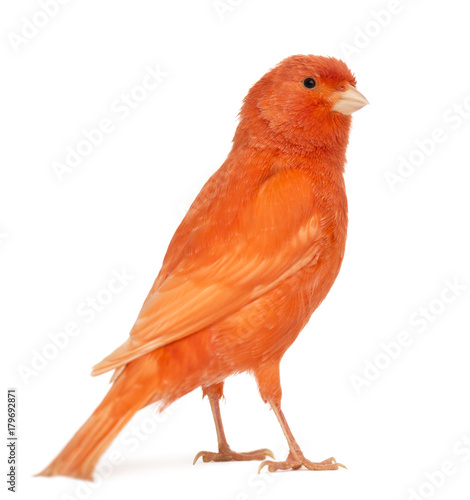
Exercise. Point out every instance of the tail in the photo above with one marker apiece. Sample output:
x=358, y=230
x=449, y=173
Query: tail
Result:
x=132, y=390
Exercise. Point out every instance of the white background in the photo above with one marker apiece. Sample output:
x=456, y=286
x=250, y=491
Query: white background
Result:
x=61, y=241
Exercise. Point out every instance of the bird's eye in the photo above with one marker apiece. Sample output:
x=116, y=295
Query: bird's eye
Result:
x=309, y=83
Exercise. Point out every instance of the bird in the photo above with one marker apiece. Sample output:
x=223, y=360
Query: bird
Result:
x=255, y=255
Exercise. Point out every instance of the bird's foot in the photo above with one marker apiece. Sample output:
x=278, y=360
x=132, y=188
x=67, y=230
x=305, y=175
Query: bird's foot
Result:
x=296, y=461
x=225, y=454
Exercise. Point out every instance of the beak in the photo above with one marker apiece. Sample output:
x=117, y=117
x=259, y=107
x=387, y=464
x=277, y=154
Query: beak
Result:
x=349, y=100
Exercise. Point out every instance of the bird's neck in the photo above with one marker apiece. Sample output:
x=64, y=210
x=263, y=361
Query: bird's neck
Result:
x=254, y=137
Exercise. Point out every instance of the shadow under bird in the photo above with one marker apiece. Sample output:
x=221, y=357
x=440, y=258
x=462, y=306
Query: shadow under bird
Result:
x=255, y=255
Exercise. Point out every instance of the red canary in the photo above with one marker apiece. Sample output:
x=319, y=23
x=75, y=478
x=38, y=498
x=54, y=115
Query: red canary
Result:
x=255, y=255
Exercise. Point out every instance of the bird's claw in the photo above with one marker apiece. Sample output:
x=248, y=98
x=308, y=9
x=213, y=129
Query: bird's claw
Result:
x=227, y=455
x=297, y=462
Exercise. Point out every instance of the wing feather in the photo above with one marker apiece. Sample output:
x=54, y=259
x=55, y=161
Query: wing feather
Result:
x=256, y=258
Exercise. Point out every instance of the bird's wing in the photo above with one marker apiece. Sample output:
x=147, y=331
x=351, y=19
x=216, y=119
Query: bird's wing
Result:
x=276, y=235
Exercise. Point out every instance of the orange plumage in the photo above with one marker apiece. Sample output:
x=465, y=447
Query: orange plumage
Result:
x=255, y=255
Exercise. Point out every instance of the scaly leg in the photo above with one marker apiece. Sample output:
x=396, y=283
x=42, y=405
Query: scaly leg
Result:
x=225, y=454
x=296, y=458
x=270, y=389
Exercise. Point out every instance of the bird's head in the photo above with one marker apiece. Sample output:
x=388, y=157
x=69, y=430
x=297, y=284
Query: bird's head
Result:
x=305, y=100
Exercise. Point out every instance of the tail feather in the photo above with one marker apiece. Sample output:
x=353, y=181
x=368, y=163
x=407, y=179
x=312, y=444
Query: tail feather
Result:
x=130, y=392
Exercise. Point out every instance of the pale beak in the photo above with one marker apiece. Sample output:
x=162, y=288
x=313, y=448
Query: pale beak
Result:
x=349, y=100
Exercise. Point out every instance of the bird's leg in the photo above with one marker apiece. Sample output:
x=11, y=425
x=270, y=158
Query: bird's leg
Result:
x=269, y=384
x=296, y=458
x=225, y=454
